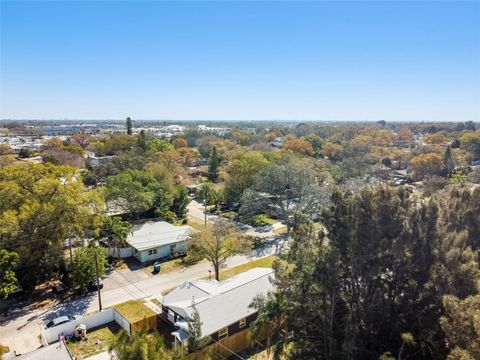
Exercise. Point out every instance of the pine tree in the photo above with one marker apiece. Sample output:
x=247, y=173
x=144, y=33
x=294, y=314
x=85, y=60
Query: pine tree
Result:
x=448, y=161
x=195, y=339
x=365, y=284
x=129, y=126
x=213, y=165
x=461, y=325
x=142, y=140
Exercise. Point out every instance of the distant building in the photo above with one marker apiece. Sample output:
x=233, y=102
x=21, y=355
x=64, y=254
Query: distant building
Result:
x=403, y=144
x=277, y=142
x=221, y=131
x=95, y=160
x=68, y=129
x=158, y=239
x=401, y=177
x=223, y=306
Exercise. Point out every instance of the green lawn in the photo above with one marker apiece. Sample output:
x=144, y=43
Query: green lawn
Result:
x=134, y=310
x=263, y=262
x=98, y=340
x=262, y=220
x=170, y=265
x=173, y=265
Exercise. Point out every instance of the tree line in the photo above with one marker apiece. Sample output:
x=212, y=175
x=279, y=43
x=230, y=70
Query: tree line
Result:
x=387, y=276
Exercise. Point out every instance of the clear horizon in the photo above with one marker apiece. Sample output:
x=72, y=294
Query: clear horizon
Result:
x=240, y=61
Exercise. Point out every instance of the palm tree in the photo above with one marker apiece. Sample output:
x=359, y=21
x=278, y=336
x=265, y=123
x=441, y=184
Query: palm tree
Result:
x=116, y=231
x=141, y=345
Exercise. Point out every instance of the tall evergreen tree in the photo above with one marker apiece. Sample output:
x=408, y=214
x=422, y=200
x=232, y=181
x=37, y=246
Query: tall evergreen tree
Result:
x=129, y=124
x=448, y=161
x=461, y=324
x=460, y=212
x=369, y=281
x=195, y=339
x=214, y=165
x=142, y=141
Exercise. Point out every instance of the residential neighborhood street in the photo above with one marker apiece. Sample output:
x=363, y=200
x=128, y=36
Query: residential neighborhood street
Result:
x=21, y=328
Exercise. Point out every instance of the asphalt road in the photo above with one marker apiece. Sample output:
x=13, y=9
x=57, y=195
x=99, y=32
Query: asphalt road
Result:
x=21, y=328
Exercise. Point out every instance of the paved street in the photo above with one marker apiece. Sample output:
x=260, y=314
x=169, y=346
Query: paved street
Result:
x=196, y=212
x=22, y=326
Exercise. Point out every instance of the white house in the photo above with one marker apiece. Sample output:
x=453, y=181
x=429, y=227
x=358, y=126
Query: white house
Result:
x=158, y=239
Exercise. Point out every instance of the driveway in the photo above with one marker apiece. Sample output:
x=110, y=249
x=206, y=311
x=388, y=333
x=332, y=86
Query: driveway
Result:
x=196, y=212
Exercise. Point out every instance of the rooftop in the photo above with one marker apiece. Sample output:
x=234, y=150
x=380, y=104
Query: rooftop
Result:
x=57, y=351
x=220, y=303
x=153, y=234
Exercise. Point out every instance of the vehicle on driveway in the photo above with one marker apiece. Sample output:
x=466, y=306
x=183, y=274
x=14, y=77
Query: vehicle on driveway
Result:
x=156, y=267
x=62, y=320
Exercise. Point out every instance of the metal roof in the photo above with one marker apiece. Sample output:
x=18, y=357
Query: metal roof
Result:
x=154, y=234
x=220, y=304
x=57, y=351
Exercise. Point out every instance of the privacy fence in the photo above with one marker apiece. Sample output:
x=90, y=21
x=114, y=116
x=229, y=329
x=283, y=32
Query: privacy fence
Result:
x=96, y=320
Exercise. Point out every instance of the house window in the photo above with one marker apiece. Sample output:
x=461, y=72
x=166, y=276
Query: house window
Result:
x=242, y=323
x=152, y=252
x=223, y=333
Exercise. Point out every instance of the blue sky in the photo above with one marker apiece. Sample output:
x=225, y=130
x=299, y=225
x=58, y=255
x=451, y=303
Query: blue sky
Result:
x=240, y=60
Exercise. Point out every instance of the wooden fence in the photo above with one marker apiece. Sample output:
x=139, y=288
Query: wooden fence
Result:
x=149, y=323
x=231, y=345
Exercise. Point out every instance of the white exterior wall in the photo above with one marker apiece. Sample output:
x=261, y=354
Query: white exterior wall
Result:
x=162, y=252
x=124, y=252
x=121, y=321
x=91, y=321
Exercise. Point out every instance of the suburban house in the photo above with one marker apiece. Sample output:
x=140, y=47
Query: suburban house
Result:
x=158, y=239
x=223, y=307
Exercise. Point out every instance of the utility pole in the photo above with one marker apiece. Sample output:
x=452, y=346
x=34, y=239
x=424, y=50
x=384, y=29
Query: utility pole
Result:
x=205, y=202
x=98, y=282
x=70, y=248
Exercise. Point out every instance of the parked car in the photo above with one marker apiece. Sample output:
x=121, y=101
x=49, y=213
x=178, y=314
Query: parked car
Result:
x=62, y=320
x=156, y=267
x=93, y=286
